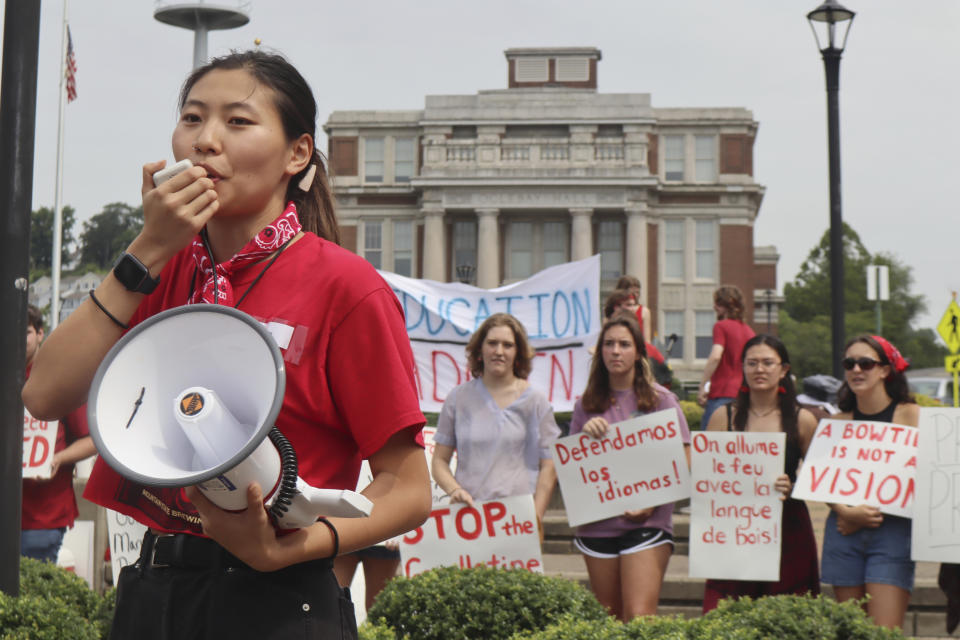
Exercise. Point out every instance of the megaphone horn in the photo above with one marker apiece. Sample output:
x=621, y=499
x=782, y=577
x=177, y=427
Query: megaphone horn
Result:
x=190, y=397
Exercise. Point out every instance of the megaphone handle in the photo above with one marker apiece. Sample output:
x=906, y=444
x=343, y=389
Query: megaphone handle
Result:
x=309, y=503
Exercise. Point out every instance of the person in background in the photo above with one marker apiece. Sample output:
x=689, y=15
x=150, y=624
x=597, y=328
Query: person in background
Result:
x=767, y=402
x=723, y=369
x=632, y=284
x=49, y=505
x=627, y=555
x=867, y=553
x=501, y=428
x=626, y=300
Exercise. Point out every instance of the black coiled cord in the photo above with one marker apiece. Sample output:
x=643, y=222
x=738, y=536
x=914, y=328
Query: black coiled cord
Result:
x=288, y=474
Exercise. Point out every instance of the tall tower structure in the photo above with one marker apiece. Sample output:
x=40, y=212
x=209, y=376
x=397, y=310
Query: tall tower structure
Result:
x=202, y=17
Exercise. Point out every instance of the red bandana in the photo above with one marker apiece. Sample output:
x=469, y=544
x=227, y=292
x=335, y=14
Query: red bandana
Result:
x=897, y=361
x=270, y=238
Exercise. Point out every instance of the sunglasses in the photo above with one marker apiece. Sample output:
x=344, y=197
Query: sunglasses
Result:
x=865, y=364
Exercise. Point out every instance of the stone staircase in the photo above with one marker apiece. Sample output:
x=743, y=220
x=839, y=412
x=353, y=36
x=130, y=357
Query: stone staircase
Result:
x=683, y=595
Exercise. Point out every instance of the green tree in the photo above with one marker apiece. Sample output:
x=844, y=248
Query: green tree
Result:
x=805, y=317
x=41, y=238
x=108, y=233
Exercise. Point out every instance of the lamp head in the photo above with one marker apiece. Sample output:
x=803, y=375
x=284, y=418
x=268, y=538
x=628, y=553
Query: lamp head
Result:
x=826, y=21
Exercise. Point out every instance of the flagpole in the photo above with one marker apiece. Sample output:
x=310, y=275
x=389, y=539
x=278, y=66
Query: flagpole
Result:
x=58, y=198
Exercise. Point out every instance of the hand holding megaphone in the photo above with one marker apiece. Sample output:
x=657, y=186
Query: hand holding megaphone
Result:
x=190, y=397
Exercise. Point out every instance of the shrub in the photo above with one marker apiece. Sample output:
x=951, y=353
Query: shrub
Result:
x=693, y=413
x=370, y=631
x=926, y=401
x=789, y=618
x=648, y=628
x=47, y=580
x=36, y=618
x=451, y=603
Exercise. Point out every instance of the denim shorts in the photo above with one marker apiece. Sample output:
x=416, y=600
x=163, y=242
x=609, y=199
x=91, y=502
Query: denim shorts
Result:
x=879, y=556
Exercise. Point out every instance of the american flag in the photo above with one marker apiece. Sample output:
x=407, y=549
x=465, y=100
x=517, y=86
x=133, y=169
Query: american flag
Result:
x=71, y=70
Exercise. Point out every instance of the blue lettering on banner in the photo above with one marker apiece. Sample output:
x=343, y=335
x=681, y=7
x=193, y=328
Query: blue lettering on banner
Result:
x=539, y=298
x=570, y=312
x=463, y=301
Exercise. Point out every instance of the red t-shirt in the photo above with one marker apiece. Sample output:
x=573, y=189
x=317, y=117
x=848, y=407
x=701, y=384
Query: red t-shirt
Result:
x=731, y=335
x=51, y=504
x=349, y=370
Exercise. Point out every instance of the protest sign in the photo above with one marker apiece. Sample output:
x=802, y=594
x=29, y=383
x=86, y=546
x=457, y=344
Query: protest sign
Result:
x=558, y=307
x=639, y=463
x=126, y=536
x=76, y=551
x=936, y=513
x=735, y=512
x=498, y=533
x=39, y=440
x=860, y=462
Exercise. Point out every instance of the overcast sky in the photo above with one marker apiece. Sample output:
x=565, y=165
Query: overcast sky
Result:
x=899, y=94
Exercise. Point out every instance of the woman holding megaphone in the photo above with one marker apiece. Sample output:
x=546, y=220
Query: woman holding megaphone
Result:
x=252, y=225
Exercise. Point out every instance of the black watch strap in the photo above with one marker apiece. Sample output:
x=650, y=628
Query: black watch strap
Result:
x=134, y=275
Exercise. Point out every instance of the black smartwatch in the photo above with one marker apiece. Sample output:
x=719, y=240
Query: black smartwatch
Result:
x=133, y=274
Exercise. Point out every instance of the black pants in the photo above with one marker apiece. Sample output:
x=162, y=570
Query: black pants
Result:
x=173, y=596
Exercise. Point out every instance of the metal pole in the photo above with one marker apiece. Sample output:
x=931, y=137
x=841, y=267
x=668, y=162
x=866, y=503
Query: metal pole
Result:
x=831, y=65
x=879, y=318
x=58, y=195
x=199, y=44
x=18, y=85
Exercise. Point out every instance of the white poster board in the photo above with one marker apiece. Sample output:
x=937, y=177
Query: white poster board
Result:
x=76, y=552
x=126, y=537
x=499, y=533
x=936, y=513
x=39, y=440
x=639, y=463
x=860, y=462
x=735, y=512
x=558, y=307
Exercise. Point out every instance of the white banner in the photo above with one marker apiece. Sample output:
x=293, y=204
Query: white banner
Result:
x=858, y=462
x=39, y=440
x=735, y=512
x=559, y=307
x=126, y=537
x=498, y=533
x=936, y=516
x=639, y=463
x=76, y=552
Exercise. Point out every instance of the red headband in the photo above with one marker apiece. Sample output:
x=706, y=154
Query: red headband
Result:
x=897, y=361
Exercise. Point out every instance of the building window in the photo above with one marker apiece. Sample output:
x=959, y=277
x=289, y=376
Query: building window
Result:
x=403, y=247
x=610, y=248
x=706, y=231
x=554, y=244
x=569, y=69
x=403, y=155
x=373, y=243
x=464, y=254
x=521, y=250
x=673, y=323
x=704, y=332
x=706, y=158
x=673, y=249
x=373, y=159
x=534, y=246
x=673, y=159
x=531, y=69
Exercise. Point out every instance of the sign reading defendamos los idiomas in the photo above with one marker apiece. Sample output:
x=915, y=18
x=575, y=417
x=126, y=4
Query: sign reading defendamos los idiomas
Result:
x=639, y=463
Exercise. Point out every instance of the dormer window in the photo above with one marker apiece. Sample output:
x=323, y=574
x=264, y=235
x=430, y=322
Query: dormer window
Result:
x=573, y=69
x=532, y=70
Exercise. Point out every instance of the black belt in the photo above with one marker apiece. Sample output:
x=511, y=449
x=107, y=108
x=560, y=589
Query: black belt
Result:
x=184, y=551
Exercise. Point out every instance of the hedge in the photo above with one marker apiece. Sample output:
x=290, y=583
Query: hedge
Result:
x=452, y=604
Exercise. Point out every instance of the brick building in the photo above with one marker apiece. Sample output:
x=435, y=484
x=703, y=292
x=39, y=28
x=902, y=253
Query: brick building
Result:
x=492, y=187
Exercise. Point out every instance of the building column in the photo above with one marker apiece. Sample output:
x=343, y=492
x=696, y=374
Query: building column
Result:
x=636, y=262
x=488, y=248
x=434, y=245
x=581, y=234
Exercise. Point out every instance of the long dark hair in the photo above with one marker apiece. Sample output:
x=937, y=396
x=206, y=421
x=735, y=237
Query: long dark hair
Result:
x=894, y=384
x=789, y=409
x=596, y=397
x=298, y=111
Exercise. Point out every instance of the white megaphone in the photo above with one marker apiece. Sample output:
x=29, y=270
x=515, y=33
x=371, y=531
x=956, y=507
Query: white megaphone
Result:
x=189, y=397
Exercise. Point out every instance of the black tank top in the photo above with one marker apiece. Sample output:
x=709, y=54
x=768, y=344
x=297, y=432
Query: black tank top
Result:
x=884, y=416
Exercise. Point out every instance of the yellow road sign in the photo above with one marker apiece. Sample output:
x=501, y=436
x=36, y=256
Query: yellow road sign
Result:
x=949, y=327
x=952, y=363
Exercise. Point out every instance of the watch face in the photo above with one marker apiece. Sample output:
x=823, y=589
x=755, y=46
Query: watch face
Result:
x=133, y=275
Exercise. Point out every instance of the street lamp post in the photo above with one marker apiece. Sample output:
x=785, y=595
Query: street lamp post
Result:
x=831, y=19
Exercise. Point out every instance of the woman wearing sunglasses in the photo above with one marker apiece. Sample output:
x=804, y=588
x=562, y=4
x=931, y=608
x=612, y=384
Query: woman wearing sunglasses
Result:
x=767, y=402
x=864, y=551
